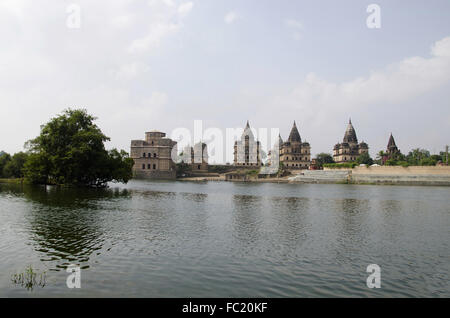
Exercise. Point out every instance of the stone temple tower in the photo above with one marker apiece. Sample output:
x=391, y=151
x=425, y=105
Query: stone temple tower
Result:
x=247, y=152
x=295, y=154
x=349, y=150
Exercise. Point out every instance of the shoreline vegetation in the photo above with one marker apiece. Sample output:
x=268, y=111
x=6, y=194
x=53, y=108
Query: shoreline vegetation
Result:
x=13, y=180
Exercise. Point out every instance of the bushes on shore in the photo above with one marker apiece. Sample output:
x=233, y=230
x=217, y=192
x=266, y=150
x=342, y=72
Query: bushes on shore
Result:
x=345, y=165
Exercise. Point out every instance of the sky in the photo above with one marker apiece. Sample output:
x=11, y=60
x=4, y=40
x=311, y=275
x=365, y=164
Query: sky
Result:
x=140, y=65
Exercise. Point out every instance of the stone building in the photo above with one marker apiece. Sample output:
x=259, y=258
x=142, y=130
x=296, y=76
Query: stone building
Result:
x=295, y=154
x=273, y=156
x=392, y=149
x=196, y=157
x=349, y=150
x=247, y=150
x=153, y=156
x=392, y=152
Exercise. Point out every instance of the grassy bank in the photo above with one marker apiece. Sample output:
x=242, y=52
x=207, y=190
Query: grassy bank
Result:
x=12, y=180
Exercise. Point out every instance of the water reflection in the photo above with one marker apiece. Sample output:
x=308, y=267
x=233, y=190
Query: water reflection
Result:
x=390, y=217
x=197, y=208
x=291, y=220
x=66, y=224
x=247, y=218
x=352, y=228
x=173, y=239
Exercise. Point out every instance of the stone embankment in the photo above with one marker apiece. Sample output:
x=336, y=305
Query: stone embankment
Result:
x=322, y=176
x=439, y=175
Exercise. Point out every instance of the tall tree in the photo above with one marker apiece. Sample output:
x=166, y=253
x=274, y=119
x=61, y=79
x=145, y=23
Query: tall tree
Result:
x=323, y=158
x=70, y=150
x=415, y=156
x=5, y=158
x=14, y=168
x=364, y=159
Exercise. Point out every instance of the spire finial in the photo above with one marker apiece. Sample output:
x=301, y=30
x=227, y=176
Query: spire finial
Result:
x=350, y=120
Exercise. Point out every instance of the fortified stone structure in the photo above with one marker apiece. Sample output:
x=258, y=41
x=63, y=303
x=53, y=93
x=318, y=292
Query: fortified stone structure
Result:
x=196, y=157
x=349, y=150
x=295, y=154
x=152, y=156
x=247, y=152
x=273, y=159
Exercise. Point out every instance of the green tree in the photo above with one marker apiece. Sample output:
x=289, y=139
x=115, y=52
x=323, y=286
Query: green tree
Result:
x=415, y=156
x=428, y=162
x=14, y=168
x=323, y=158
x=437, y=158
x=70, y=150
x=364, y=158
x=4, y=159
x=181, y=168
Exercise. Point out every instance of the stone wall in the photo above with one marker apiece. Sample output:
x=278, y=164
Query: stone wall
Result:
x=155, y=174
x=321, y=176
x=397, y=170
x=414, y=175
x=434, y=175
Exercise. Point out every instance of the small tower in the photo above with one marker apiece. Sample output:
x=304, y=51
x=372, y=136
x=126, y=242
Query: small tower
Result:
x=392, y=152
x=391, y=148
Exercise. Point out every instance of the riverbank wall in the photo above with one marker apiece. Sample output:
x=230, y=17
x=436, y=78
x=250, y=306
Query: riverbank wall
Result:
x=414, y=175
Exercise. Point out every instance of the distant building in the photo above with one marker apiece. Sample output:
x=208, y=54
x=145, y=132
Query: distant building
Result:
x=295, y=154
x=273, y=156
x=314, y=165
x=349, y=149
x=391, y=150
x=247, y=150
x=196, y=157
x=152, y=156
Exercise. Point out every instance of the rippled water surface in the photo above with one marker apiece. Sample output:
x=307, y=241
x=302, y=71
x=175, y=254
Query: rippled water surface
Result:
x=218, y=239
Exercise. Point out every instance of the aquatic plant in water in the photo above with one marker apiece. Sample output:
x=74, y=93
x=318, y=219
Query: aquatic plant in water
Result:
x=30, y=278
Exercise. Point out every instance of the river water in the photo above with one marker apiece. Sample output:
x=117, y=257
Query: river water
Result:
x=219, y=239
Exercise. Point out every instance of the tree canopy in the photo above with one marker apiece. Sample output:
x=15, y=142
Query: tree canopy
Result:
x=364, y=158
x=324, y=158
x=70, y=150
x=14, y=167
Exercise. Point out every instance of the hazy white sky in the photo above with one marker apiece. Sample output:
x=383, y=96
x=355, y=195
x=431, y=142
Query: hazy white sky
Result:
x=161, y=64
